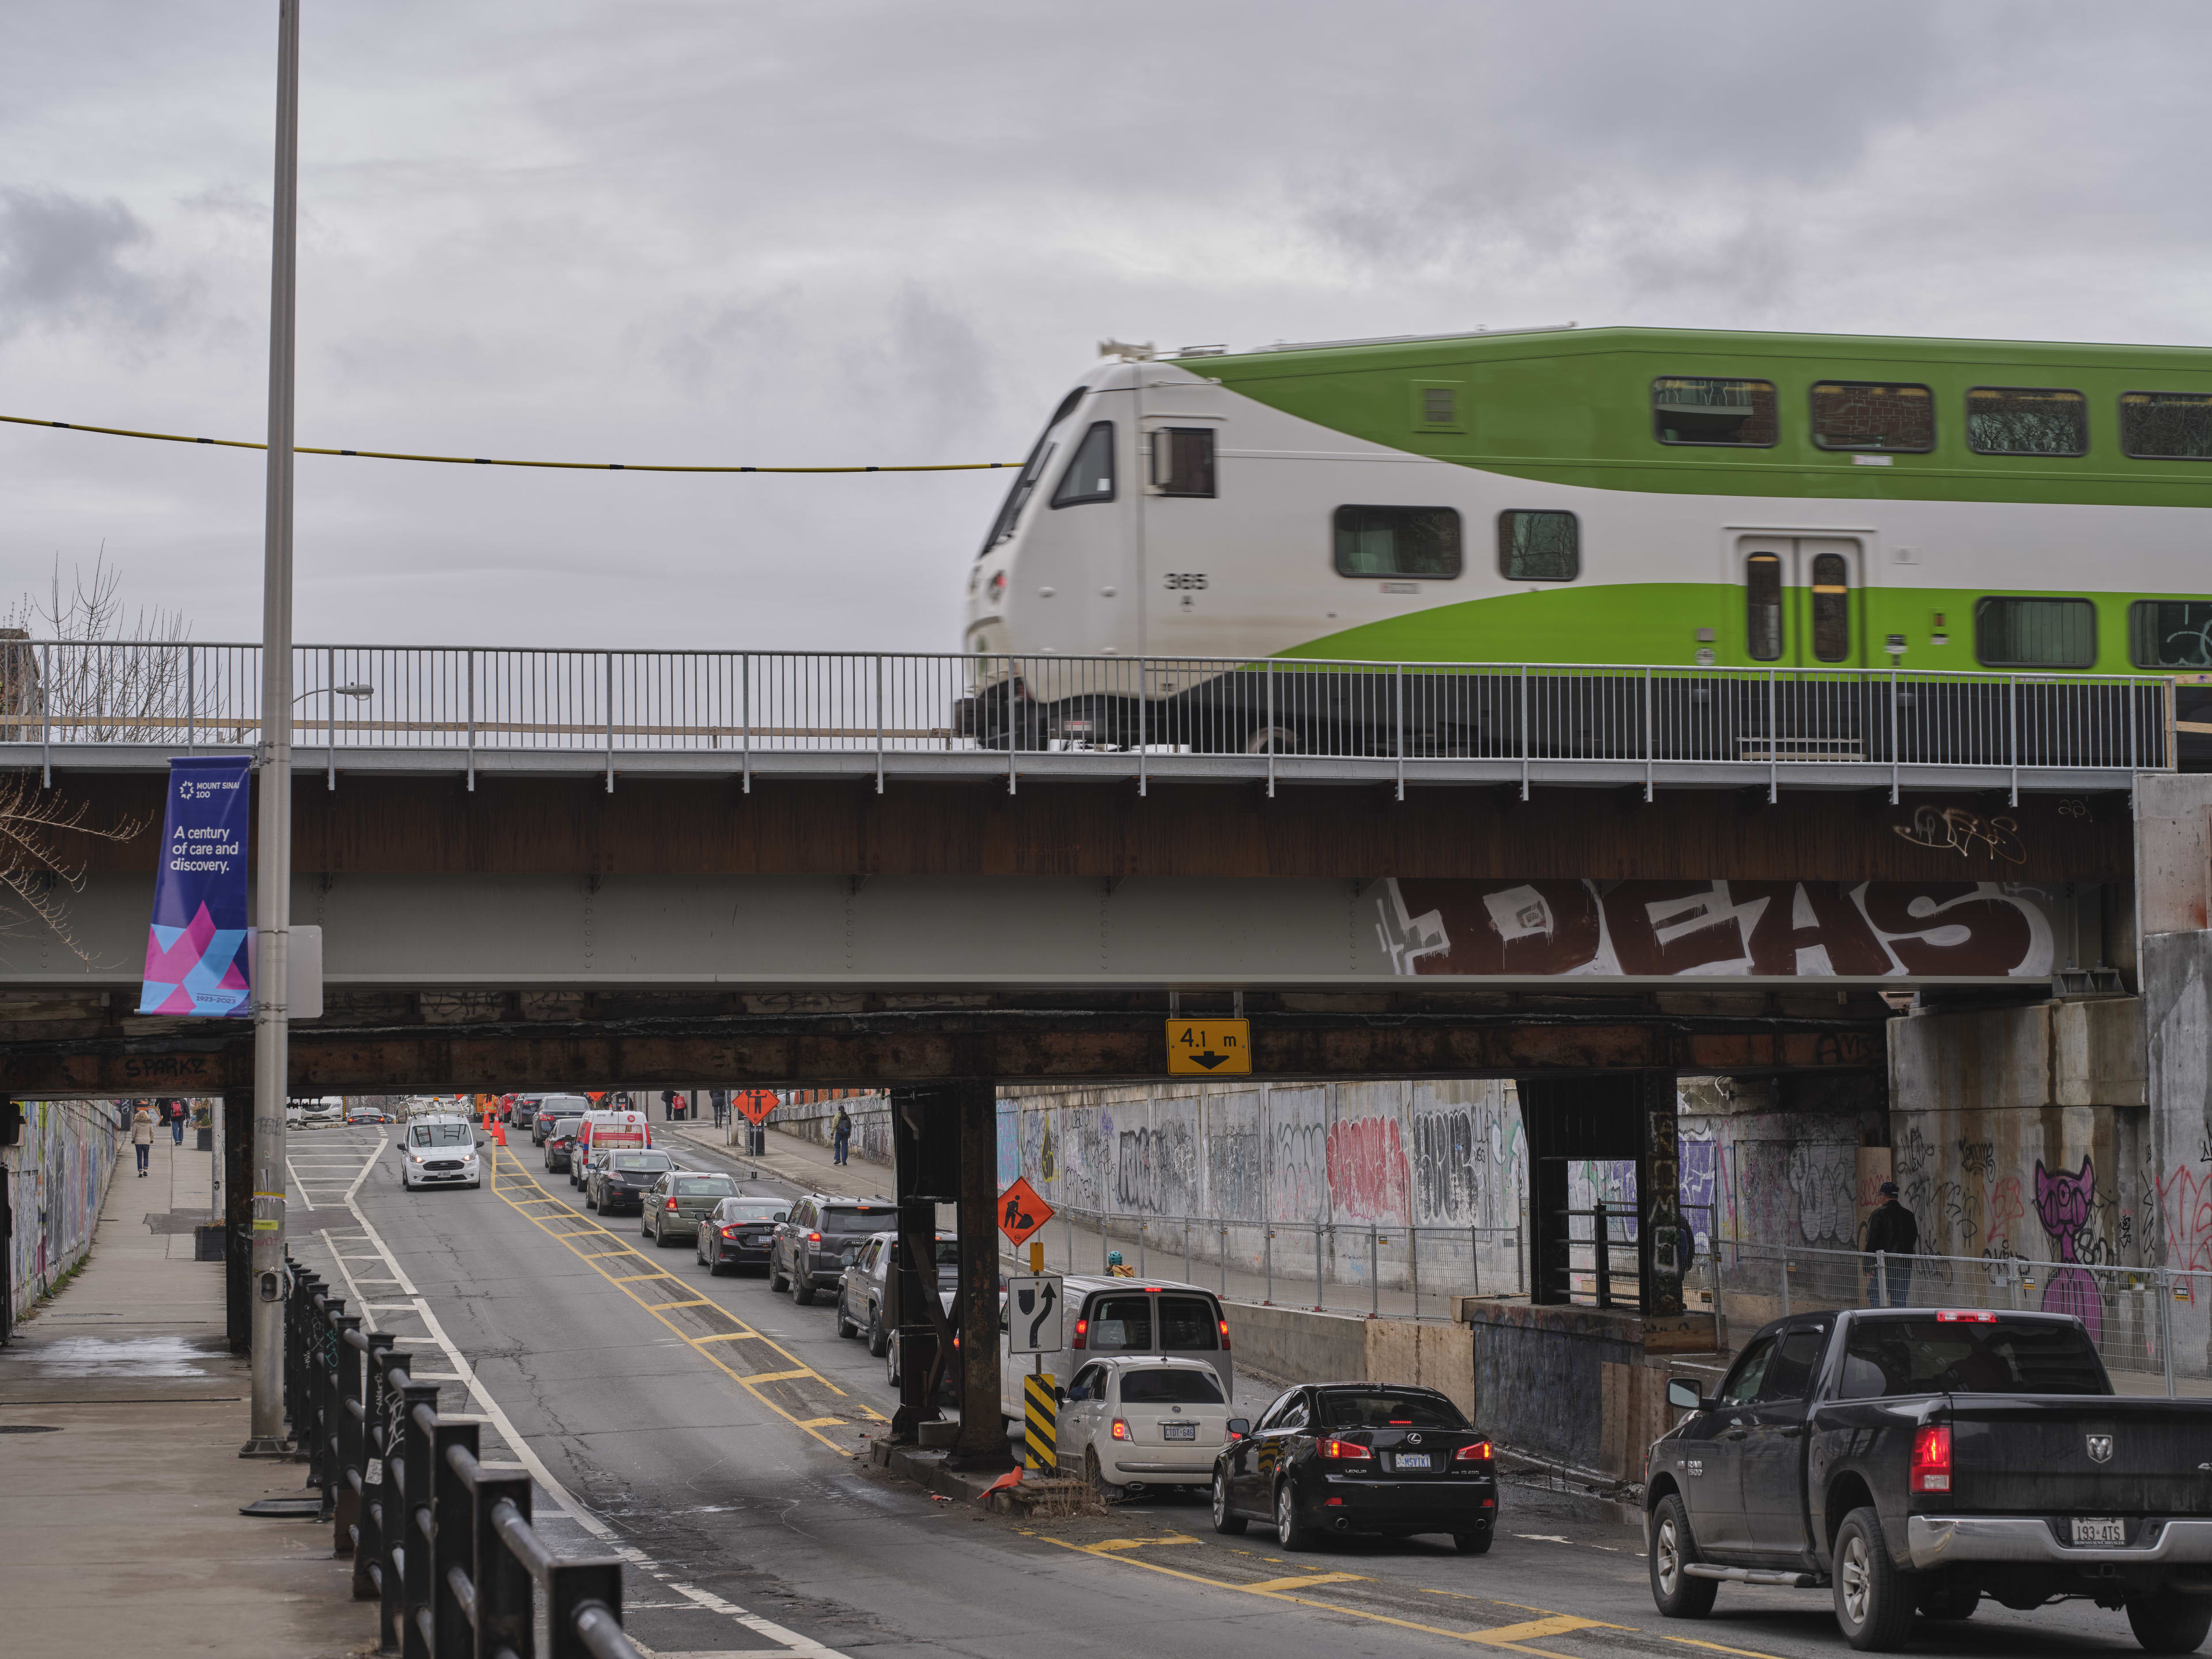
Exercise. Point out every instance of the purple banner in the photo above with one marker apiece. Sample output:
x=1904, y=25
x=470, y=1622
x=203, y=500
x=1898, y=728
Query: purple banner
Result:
x=196, y=957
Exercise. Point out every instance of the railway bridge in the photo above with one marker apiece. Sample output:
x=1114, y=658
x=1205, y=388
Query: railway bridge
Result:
x=544, y=870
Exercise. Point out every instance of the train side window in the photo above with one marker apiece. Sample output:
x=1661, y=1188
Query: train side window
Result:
x=1831, y=607
x=2166, y=425
x=1182, y=460
x=1762, y=600
x=1689, y=408
x=2021, y=633
x=2170, y=633
x=1871, y=415
x=1539, y=547
x=1398, y=541
x=2010, y=420
x=1090, y=476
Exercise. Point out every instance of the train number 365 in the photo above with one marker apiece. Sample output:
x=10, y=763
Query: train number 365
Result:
x=1186, y=579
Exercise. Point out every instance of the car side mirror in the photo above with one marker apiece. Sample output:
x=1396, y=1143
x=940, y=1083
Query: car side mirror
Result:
x=1683, y=1395
x=1239, y=1427
x=1060, y=1394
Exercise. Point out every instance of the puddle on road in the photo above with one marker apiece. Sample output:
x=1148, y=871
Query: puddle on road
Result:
x=132, y=1356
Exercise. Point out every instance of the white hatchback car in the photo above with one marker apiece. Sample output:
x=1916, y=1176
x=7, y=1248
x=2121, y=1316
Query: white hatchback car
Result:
x=439, y=1152
x=1138, y=1422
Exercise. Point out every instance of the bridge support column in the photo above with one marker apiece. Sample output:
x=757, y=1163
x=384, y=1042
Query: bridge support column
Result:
x=982, y=1439
x=1662, y=1239
x=237, y=1218
x=925, y=1159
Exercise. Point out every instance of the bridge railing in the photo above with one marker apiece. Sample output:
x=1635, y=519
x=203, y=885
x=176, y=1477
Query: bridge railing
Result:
x=1391, y=717
x=443, y=1544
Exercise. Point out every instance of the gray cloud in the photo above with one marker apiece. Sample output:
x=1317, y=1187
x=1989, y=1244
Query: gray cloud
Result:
x=61, y=264
x=867, y=231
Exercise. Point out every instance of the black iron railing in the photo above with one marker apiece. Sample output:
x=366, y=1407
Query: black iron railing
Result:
x=443, y=1546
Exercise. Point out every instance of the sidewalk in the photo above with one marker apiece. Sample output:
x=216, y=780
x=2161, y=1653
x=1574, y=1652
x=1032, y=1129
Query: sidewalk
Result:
x=120, y=1531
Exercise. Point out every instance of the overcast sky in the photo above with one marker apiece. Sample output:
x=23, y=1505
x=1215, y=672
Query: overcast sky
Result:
x=849, y=232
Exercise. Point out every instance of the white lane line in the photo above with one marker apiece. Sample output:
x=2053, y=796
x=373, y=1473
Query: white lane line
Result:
x=570, y=1510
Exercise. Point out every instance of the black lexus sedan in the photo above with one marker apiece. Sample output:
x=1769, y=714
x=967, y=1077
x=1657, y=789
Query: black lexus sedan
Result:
x=1369, y=1457
x=741, y=1232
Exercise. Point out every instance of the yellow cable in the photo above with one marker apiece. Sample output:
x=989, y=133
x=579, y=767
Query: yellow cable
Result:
x=479, y=460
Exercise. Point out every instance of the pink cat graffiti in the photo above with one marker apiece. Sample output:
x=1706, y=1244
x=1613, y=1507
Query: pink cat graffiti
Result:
x=2062, y=1204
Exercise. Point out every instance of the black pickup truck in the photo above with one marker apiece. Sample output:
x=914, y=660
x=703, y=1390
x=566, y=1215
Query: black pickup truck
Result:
x=1914, y=1460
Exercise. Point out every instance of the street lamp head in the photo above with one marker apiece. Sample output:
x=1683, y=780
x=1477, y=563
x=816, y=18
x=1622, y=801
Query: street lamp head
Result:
x=355, y=691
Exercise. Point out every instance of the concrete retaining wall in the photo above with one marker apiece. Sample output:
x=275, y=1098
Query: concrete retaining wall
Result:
x=57, y=1181
x=1293, y=1344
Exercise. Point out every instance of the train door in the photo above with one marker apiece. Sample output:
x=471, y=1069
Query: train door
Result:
x=1801, y=600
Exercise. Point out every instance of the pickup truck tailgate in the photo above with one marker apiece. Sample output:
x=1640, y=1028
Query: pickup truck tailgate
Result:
x=2079, y=1455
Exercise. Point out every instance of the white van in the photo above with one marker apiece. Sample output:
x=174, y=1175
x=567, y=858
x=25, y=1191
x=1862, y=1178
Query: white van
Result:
x=599, y=1132
x=439, y=1152
x=1105, y=1318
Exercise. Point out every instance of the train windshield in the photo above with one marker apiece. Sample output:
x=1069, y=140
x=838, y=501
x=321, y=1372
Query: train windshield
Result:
x=1025, y=481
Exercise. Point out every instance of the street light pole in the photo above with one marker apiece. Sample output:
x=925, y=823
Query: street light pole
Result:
x=273, y=868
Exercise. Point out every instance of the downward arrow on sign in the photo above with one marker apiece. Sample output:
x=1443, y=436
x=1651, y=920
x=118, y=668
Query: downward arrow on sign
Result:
x=1209, y=1059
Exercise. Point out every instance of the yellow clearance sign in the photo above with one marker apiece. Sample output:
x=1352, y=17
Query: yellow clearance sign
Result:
x=1209, y=1047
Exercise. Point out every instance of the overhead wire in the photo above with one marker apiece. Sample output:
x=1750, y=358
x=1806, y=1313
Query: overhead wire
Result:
x=484, y=460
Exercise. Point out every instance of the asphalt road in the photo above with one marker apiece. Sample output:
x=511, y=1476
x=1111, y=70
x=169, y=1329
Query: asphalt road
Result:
x=715, y=1435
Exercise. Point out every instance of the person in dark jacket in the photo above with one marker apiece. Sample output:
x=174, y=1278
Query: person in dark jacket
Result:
x=841, y=1136
x=1894, y=1232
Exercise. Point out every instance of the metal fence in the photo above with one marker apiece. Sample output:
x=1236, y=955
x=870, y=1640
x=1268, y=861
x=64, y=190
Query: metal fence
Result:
x=2130, y=1312
x=1395, y=718
x=443, y=1546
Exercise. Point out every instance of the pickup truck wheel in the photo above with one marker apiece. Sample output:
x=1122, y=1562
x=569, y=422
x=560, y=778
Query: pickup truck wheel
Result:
x=845, y=1325
x=878, y=1342
x=802, y=1292
x=774, y=1278
x=1872, y=1605
x=2167, y=1621
x=1674, y=1592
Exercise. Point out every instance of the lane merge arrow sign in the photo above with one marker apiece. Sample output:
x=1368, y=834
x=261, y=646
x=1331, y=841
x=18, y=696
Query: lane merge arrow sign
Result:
x=1209, y=1047
x=1033, y=1322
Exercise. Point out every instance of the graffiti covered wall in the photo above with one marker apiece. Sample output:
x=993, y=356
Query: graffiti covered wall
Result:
x=57, y=1180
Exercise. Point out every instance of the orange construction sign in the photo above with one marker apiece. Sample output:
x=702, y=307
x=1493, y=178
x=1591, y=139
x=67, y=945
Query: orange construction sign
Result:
x=755, y=1103
x=1022, y=1211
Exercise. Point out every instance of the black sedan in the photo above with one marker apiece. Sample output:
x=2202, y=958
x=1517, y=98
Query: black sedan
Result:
x=741, y=1231
x=619, y=1180
x=561, y=1143
x=1369, y=1457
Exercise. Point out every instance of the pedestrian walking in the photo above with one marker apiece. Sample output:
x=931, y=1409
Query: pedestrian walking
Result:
x=176, y=1122
x=668, y=1105
x=720, y=1100
x=841, y=1134
x=1893, y=1239
x=142, y=1137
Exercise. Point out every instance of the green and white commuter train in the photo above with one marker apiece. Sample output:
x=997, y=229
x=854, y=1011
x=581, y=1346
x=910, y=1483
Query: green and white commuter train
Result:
x=1615, y=497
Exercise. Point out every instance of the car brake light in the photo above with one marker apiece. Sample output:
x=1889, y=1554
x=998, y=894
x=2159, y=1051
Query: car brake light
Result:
x=1478, y=1453
x=814, y=1238
x=1082, y=1329
x=1345, y=1451
x=1931, y=1460
x=1120, y=1429
x=729, y=1232
x=1965, y=1319
x=1225, y=1335
x=671, y=1203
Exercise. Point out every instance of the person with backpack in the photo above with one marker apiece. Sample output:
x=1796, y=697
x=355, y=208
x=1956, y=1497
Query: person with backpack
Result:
x=1893, y=1239
x=841, y=1134
x=142, y=1137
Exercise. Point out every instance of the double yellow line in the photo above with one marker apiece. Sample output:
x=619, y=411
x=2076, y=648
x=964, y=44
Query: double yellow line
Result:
x=588, y=1239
